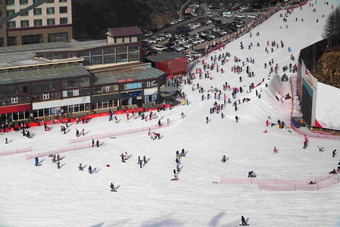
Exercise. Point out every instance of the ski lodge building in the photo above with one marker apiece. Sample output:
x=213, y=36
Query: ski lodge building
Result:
x=78, y=78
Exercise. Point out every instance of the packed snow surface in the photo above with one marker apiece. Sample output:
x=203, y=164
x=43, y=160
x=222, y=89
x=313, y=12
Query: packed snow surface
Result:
x=46, y=196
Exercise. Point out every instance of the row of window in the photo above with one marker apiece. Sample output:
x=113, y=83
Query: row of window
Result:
x=38, y=11
x=31, y=39
x=71, y=93
x=37, y=23
x=25, y=2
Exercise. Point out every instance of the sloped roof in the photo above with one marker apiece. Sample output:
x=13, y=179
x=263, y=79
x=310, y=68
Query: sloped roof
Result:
x=164, y=56
x=124, y=31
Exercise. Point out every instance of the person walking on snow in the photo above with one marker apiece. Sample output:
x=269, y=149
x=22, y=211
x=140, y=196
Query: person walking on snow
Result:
x=275, y=150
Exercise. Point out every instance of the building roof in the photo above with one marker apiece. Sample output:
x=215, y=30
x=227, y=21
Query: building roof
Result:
x=30, y=75
x=135, y=74
x=125, y=31
x=164, y=56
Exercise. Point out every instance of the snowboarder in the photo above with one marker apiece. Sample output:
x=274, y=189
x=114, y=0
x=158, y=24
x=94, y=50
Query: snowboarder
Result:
x=305, y=144
x=243, y=220
x=112, y=187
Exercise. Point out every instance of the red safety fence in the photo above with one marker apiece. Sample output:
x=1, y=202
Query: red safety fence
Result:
x=16, y=151
x=90, y=116
x=62, y=150
x=319, y=182
x=114, y=134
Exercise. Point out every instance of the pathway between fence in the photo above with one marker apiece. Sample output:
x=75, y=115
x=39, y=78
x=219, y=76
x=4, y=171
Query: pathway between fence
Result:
x=114, y=134
x=288, y=185
x=16, y=151
x=62, y=150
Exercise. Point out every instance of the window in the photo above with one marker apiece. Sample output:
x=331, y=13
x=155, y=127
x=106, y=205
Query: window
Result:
x=148, y=84
x=132, y=86
x=14, y=100
x=1, y=42
x=63, y=9
x=62, y=0
x=37, y=11
x=9, y=2
x=50, y=1
x=50, y=21
x=24, y=23
x=107, y=89
x=57, y=37
x=63, y=20
x=121, y=54
x=37, y=23
x=10, y=12
x=109, y=55
x=46, y=96
x=76, y=92
x=97, y=57
x=24, y=14
x=23, y=2
x=30, y=39
x=11, y=41
x=50, y=10
x=11, y=24
x=133, y=53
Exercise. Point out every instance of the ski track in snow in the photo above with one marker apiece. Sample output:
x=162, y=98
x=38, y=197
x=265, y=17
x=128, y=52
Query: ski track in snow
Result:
x=47, y=196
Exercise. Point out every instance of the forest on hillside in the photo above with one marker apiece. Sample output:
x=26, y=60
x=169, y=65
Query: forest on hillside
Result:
x=92, y=18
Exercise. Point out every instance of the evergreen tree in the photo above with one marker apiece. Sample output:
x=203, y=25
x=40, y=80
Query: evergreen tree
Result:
x=332, y=26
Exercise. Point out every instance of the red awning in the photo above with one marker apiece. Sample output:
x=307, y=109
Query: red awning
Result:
x=13, y=109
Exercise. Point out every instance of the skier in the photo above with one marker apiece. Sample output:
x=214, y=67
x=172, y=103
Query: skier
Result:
x=92, y=142
x=83, y=132
x=122, y=156
x=207, y=119
x=174, y=172
x=144, y=159
x=80, y=167
x=140, y=164
x=224, y=159
x=334, y=153
x=90, y=169
x=236, y=118
x=183, y=153
x=182, y=114
x=267, y=122
x=97, y=143
x=54, y=159
x=6, y=141
x=36, y=161
x=58, y=165
x=138, y=160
